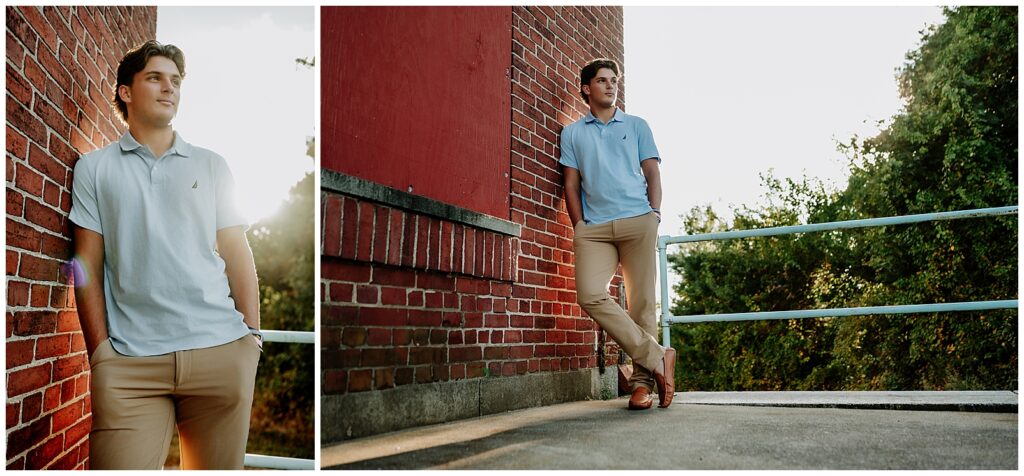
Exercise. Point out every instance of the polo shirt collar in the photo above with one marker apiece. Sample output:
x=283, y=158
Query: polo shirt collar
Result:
x=619, y=116
x=178, y=147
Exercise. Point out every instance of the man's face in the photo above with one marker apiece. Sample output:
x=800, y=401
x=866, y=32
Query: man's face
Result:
x=603, y=88
x=153, y=96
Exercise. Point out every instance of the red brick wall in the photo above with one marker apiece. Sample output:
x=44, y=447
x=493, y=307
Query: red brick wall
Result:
x=549, y=47
x=61, y=64
x=410, y=299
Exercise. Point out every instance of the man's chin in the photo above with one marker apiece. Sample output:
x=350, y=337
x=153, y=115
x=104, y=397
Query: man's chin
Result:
x=155, y=124
x=163, y=121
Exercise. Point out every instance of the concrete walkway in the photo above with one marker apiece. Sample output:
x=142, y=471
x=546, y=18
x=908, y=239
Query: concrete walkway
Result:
x=744, y=430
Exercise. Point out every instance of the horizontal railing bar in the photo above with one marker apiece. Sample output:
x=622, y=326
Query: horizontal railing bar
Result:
x=838, y=225
x=278, y=462
x=291, y=337
x=846, y=311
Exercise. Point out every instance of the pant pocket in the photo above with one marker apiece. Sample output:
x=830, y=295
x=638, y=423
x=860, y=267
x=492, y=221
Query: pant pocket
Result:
x=102, y=352
x=577, y=231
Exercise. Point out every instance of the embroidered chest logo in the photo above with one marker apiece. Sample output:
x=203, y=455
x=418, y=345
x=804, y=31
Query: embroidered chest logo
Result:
x=623, y=136
x=195, y=185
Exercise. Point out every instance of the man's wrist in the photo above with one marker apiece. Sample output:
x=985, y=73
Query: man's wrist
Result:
x=258, y=334
x=90, y=347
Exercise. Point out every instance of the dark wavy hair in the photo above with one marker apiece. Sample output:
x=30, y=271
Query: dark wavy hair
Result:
x=590, y=70
x=135, y=60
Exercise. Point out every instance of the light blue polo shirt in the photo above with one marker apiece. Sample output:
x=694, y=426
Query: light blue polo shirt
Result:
x=608, y=157
x=165, y=287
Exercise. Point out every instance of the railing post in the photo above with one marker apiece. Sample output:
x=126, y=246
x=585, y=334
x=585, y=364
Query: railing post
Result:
x=663, y=278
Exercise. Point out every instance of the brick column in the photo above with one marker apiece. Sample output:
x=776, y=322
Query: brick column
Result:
x=549, y=47
x=60, y=74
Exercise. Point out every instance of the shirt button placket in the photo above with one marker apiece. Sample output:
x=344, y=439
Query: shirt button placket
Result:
x=155, y=174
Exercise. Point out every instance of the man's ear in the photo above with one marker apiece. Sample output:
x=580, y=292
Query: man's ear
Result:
x=125, y=93
x=586, y=89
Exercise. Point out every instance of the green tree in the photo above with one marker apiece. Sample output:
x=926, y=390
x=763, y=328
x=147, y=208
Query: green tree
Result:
x=760, y=274
x=954, y=146
x=283, y=247
x=284, y=250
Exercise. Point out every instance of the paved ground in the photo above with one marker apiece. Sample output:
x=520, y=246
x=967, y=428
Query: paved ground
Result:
x=714, y=431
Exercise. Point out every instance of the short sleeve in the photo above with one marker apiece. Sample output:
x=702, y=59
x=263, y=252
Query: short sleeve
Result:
x=228, y=214
x=645, y=139
x=85, y=209
x=568, y=158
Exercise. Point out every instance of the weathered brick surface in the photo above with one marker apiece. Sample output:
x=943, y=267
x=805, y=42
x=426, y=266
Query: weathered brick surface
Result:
x=411, y=299
x=60, y=74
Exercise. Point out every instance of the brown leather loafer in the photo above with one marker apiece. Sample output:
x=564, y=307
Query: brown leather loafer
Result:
x=641, y=399
x=667, y=381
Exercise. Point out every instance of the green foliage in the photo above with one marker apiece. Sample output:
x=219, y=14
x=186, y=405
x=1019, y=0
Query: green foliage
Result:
x=283, y=247
x=953, y=147
x=759, y=274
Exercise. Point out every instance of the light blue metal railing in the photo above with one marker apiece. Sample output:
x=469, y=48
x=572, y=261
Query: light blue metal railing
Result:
x=280, y=462
x=667, y=319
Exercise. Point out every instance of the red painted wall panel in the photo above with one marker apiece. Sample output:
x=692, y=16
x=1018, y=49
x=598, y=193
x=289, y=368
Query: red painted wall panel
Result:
x=418, y=99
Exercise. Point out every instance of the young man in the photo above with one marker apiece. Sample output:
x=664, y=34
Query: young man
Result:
x=165, y=284
x=613, y=194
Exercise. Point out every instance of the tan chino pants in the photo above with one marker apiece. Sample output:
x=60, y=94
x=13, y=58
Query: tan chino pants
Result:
x=138, y=401
x=599, y=251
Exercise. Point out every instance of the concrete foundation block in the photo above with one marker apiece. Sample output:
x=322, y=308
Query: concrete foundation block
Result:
x=356, y=415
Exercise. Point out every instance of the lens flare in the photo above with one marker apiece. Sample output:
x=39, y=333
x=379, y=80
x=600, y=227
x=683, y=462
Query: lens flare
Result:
x=76, y=269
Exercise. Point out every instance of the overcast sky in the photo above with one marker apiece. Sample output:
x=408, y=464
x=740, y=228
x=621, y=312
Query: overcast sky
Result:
x=731, y=92
x=244, y=97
